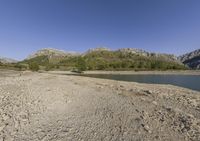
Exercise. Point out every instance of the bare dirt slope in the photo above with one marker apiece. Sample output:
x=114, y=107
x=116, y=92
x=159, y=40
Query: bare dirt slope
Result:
x=43, y=107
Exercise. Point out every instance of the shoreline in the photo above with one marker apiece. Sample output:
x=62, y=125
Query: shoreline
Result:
x=192, y=72
x=181, y=72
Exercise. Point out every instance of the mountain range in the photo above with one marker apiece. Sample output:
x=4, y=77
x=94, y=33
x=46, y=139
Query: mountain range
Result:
x=55, y=53
x=105, y=55
x=103, y=58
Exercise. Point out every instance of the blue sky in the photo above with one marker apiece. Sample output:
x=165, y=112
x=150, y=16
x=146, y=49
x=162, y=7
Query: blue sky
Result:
x=167, y=26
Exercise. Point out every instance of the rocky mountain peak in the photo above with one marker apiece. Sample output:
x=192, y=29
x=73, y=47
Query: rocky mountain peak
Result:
x=98, y=49
x=191, y=59
x=134, y=51
x=190, y=55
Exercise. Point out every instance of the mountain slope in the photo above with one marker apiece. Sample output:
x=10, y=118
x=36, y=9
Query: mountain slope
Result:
x=130, y=58
x=191, y=59
x=105, y=59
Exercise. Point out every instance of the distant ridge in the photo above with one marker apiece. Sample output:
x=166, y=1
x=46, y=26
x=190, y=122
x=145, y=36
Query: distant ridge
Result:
x=6, y=60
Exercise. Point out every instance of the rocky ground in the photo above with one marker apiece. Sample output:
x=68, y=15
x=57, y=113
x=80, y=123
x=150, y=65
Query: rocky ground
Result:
x=51, y=107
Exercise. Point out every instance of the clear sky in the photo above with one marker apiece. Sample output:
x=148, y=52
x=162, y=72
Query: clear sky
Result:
x=167, y=26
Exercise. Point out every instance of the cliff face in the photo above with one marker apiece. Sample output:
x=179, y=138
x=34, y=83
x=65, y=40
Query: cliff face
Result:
x=191, y=59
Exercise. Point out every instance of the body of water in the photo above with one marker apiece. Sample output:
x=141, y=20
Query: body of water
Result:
x=187, y=81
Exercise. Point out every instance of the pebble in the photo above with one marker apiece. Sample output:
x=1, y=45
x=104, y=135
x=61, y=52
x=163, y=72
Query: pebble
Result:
x=155, y=103
x=2, y=127
x=146, y=127
x=5, y=117
x=131, y=90
x=101, y=87
x=148, y=91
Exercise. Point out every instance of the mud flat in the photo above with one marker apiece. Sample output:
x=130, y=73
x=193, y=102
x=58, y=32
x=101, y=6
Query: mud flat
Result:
x=43, y=107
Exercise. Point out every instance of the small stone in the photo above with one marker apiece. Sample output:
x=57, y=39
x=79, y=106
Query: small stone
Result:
x=131, y=90
x=5, y=117
x=169, y=109
x=125, y=133
x=157, y=137
x=2, y=127
x=148, y=91
x=146, y=128
x=155, y=103
x=101, y=87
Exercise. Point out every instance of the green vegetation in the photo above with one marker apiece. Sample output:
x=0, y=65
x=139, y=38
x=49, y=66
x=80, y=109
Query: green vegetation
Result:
x=34, y=66
x=13, y=66
x=81, y=64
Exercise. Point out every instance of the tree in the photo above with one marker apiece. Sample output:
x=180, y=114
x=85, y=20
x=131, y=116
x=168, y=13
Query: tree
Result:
x=48, y=67
x=34, y=66
x=81, y=64
x=20, y=66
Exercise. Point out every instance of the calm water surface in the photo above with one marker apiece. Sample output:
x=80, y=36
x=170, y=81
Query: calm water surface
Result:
x=187, y=81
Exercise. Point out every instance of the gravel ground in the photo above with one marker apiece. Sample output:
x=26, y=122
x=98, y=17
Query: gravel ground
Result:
x=51, y=107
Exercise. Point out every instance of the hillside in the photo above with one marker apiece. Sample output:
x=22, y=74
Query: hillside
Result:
x=191, y=59
x=104, y=59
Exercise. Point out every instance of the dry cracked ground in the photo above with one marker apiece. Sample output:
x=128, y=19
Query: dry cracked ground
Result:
x=50, y=107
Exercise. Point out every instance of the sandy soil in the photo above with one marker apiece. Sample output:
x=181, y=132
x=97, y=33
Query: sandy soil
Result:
x=51, y=107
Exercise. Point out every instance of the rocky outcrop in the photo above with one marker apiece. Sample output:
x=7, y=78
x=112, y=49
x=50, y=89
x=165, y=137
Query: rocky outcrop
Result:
x=97, y=49
x=139, y=52
x=51, y=53
x=167, y=57
x=134, y=51
x=191, y=59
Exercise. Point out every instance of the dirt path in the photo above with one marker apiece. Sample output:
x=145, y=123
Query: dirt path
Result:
x=54, y=107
